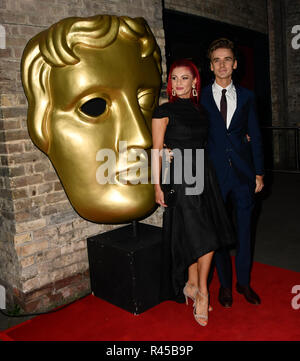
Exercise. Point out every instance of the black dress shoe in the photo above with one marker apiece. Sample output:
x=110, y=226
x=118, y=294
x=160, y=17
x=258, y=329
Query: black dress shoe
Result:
x=249, y=294
x=225, y=296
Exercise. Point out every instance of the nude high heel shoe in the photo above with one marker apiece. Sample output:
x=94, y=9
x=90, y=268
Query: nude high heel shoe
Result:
x=192, y=294
x=204, y=315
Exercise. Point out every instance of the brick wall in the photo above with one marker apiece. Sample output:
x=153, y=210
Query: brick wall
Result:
x=276, y=69
x=43, y=255
x=285, y=78
x=249, y=14
x=292, y=12
x=284, y=62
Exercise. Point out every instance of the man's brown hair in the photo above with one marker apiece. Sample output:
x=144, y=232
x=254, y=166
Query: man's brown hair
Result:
x=221, y=43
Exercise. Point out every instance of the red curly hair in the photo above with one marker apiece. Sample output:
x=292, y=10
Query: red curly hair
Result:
x=193, y=69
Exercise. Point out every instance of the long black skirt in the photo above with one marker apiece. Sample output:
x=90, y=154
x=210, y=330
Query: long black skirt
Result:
x=195, y=226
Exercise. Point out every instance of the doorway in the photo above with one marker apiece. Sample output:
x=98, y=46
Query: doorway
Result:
x=189, y=36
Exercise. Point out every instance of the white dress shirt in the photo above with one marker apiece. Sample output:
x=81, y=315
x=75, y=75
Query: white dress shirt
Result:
x=230, y=98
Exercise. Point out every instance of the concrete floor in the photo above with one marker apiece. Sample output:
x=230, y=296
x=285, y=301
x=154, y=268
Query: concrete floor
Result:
x=277, y=237
x=278, y=227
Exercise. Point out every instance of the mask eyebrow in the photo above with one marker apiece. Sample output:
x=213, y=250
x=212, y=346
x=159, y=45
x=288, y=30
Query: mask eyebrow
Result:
x=85, y=95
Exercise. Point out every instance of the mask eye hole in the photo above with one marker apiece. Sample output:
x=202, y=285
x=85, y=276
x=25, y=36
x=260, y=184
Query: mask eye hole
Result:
x=94, y=107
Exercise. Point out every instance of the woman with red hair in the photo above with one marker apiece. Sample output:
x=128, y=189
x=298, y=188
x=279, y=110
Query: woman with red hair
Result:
x=196, y=224
x=196, y=85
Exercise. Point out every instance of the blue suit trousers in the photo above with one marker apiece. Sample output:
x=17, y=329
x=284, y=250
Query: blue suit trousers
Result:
x=242, y=196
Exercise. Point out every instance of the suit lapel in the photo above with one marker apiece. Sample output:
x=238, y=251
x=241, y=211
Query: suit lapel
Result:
x=214, y=107
x=238, y=106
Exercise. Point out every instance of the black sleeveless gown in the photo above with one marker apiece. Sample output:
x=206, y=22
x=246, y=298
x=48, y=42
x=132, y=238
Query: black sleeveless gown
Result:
x=197, y=224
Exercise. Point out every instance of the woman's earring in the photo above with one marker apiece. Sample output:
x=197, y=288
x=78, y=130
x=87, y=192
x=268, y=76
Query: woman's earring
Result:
x=173, y=92
x=194, y=91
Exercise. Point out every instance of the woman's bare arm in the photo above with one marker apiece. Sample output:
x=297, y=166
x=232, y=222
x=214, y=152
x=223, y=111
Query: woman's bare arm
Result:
x=159, y=127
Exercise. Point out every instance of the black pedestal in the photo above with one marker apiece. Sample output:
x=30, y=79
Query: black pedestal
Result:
x=125, y=266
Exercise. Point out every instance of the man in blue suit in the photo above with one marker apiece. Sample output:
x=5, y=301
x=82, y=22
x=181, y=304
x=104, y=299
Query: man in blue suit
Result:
x=238, y=161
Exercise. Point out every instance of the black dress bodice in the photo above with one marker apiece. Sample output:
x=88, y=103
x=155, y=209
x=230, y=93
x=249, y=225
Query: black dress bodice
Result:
x=188, y=124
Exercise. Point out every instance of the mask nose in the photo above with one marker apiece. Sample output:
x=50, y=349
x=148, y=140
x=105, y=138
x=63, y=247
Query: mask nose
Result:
x=133, y=127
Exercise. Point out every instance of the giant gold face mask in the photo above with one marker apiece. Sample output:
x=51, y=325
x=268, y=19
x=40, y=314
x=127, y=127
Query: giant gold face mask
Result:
x=92, y=85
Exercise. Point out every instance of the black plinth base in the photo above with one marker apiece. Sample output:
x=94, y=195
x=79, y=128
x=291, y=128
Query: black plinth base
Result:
x=125, y=266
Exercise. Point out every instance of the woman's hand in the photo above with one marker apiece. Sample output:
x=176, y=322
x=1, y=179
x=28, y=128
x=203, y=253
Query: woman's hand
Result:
x=159, y=197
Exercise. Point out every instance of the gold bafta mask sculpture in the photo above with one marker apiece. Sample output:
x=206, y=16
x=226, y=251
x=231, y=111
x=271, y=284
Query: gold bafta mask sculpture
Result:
x=92, y=84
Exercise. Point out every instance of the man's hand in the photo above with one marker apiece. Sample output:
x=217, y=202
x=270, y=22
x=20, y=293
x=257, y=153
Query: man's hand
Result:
x=168, y=154
x=259, y=183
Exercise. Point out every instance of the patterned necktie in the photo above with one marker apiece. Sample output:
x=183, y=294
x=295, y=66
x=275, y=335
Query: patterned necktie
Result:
x=223, y=105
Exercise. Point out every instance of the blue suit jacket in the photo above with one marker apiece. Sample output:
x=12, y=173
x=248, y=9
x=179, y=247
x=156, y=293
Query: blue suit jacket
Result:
x=225, y=145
